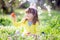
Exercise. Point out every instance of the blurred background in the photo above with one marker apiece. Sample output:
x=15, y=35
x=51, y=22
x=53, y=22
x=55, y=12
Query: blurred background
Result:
x=48, y=13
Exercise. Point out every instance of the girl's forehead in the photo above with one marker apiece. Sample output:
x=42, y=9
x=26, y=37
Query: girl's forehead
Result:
x=28, y=13
x=31, y=10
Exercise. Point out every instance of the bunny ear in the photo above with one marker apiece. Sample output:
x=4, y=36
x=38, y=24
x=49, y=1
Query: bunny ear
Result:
x=33, y=5
x=26, y=10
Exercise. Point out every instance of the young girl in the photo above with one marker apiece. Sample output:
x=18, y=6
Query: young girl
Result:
x=30, y=21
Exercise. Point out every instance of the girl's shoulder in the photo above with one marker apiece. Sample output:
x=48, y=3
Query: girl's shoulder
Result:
x=37, y=24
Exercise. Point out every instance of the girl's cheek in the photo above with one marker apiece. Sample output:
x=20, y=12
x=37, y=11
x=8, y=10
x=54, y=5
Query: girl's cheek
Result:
x=31, y=16
x=27, y=17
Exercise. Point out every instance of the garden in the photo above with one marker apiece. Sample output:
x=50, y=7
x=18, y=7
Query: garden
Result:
x=49, y=28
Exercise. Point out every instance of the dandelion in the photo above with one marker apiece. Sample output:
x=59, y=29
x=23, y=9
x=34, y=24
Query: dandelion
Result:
x=39, y=10
x=48, y=7
x=9, y=38
x=17, y=32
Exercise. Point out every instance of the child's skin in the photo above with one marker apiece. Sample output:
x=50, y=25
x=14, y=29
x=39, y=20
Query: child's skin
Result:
x=30, y=17
x=13, y=16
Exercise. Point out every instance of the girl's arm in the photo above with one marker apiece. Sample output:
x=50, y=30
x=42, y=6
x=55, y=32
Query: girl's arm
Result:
x=14, y=20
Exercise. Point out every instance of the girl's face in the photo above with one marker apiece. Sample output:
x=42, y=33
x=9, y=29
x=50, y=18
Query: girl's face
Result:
x=29, y=16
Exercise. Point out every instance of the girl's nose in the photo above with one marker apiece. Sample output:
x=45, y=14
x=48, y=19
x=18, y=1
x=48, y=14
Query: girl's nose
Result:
x=27, y=15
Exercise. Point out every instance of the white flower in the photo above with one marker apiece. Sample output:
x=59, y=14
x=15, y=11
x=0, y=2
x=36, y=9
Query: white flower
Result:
x=17, y=32
x=9, y=38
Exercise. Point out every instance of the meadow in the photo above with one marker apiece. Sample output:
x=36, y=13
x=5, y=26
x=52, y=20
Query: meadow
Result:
x=49, y=28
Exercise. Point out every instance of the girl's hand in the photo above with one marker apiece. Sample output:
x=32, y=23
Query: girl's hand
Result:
x=28, y=34
x=13, y=16
x=25, y=18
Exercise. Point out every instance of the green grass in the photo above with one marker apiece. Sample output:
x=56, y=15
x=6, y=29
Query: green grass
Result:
x=50, y=25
